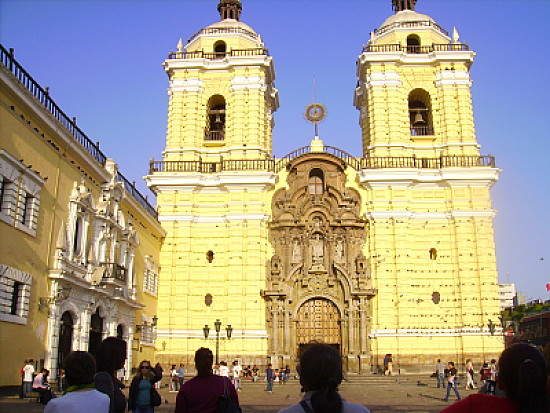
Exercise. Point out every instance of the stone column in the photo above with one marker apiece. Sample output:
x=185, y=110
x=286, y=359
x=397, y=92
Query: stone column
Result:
x=287, y=332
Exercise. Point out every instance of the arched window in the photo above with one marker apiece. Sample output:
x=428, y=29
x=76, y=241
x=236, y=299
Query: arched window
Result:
x=65, y=338
x=316, y=182
x=420, y=113
x=413, y=44
x=215, y=123
x=220, y=49
x=78, y=232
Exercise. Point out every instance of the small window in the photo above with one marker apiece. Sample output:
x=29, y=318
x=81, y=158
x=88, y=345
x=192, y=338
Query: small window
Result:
x=26, y=210
x=210, y=256
x=16, y=298
x=433, y=254
x=316, y=182
x=436, y=297
x=413, y=44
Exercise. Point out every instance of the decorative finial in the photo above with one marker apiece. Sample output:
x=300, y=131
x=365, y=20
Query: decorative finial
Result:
x=180, y=45
x=400, y=5
x=230, y=9
x=456, y=36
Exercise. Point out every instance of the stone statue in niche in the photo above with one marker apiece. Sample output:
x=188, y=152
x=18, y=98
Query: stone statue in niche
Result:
x=296, y=252
x=317, y=250
x=339, y=251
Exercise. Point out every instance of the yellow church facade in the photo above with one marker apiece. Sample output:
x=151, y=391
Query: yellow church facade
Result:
x=391, y=252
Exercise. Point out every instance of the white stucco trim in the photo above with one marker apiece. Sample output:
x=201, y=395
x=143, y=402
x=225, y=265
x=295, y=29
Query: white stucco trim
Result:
x=453, y=78
x=209, y=219
x=429, y=332
x=428, y=216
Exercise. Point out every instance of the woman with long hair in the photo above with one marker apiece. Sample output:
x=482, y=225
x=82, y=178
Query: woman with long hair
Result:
x=142, y=392
x=110, y=357
x=203, y=392
x=523, y=378
x=320, y=375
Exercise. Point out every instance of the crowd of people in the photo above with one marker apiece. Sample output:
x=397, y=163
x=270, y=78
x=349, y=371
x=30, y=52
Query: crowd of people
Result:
x=518, y=383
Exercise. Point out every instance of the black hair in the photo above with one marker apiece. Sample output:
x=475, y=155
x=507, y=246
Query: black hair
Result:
x=203, y=361
x=523, y=377
x=110, y=355
x=80, y=368
x=321, y=372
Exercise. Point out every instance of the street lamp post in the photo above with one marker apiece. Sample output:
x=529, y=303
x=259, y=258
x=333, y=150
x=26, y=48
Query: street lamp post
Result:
x=217, y=328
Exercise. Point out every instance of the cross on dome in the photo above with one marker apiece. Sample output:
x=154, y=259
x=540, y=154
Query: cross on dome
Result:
x=400, y=5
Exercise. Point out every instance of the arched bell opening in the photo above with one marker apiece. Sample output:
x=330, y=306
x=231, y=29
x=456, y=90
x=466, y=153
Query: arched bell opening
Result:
x=420, y=113
x=413, y=44
x=220, y=49
x=215, y=127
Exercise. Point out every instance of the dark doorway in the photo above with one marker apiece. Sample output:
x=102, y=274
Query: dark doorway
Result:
x=120, y=331
x=65, y=338
x=96, y=332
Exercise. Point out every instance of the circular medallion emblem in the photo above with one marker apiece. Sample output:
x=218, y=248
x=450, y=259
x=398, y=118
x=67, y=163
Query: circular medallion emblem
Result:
x=315, y=113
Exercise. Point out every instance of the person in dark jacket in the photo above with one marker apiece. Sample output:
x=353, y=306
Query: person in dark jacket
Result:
x=140, y=399
x=110, y=357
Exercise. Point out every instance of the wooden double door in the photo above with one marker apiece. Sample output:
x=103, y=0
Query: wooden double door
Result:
x=318, y=320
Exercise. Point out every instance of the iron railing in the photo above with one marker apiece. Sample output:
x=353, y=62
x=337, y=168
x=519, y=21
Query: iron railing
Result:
x=42, y=95
x=142, y=200
x=214, y=135
x=201, y=54
x=44, y=98
x=114, y=271
x=446, y=47
x=411, y=25
x=429, y=163
x=346, y=157
x=222, y=31
x=422, y=131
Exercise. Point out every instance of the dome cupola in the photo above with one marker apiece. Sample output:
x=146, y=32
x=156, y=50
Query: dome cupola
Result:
x=230, y=9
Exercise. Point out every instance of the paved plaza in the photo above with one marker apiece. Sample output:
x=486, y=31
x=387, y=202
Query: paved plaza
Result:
x=414, y=394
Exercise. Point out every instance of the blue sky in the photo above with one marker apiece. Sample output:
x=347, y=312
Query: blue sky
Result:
x=102, y=60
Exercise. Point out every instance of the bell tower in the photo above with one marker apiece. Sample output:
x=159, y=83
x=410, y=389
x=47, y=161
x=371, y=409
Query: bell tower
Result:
x=413, y=89
x=221, y=95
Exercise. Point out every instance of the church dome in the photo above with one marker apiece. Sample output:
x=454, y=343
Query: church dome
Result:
x=405, y=16
x=408, y=19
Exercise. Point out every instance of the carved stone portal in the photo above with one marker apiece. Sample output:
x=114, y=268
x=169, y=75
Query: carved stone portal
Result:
x=319, y=284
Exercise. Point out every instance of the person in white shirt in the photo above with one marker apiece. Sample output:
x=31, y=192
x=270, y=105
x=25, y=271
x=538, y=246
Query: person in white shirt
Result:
x=237, y=373
x=28, y=371
x=81, y=396
x=224, y=370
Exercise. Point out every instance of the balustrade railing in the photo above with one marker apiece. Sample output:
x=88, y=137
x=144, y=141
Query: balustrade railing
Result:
x=114, y=271
x=201, y=54
x=214, y=135
x=411, y=25
x=211, y=167
x=446, y=47
x=222, y=31
x=430, y=163
x=142, y=200
x=422, y=131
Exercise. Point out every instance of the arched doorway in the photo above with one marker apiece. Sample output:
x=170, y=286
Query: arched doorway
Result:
x=96, y=332
x=120, y=331
x=318, y=320
x=65, y=338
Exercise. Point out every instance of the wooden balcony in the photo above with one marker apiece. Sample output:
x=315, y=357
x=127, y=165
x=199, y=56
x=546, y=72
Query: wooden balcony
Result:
x=114, y=273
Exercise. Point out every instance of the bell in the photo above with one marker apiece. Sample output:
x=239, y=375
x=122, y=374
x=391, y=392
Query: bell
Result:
x=218, y=118
x=418, y=118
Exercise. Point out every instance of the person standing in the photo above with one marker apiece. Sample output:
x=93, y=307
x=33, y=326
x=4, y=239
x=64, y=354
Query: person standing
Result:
x=110, y=357
x=440, y=373
x=389, y=365
x=287, y=373
x=174, y=379
x=81, y=396
x=142, y=391
x=492, y=381
x=237, y=373
x=28, y=371
x=181, y=374
x=451, y=381
x=470, y=375
x=270, y=378
x=255, y=373
x=202, y=393
x=158, y=368
x=224, y=370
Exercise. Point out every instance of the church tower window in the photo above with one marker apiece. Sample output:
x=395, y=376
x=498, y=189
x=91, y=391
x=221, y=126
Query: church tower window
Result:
x=413, y=44
x=316, y=182
x=215, y=128
x=420, y=113
x=220, y=48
